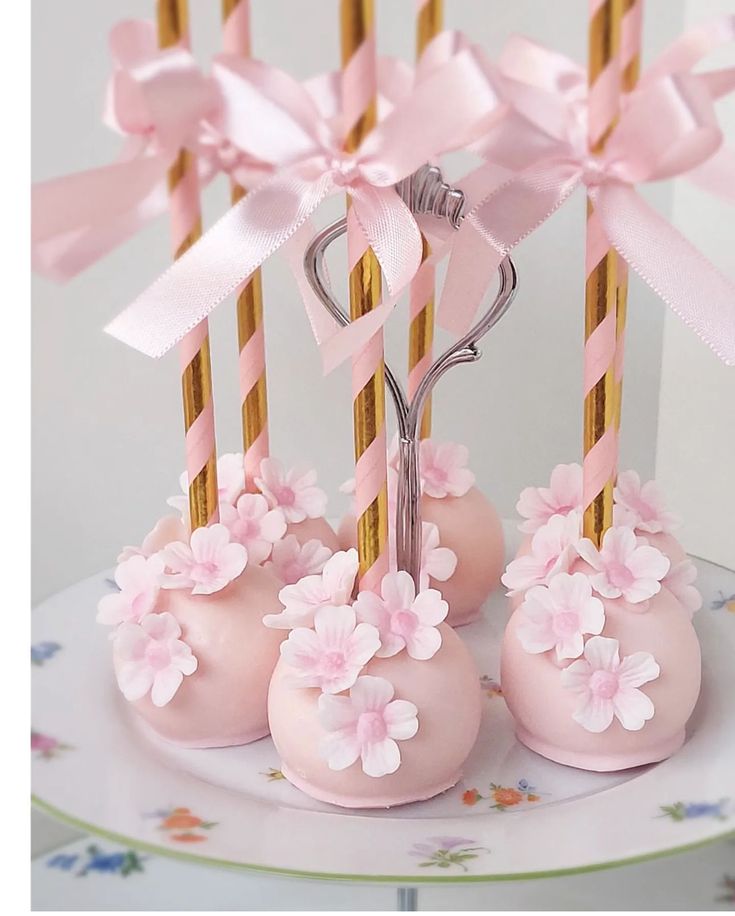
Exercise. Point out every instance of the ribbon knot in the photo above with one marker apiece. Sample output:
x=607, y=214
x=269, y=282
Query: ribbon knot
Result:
x=346, y=170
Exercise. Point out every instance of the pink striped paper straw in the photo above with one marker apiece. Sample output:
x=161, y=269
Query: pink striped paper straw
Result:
x=359, y=96
x=196, y=370
x=631, y=33
x=600, y=435
x=250, y=331
x=421, y=298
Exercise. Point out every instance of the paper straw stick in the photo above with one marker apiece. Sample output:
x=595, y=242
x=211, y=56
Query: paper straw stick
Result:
x=630, y=63
x=250, y=332
x=600, y=435
x=429, y=16
x=368, y=368
x=196, y=370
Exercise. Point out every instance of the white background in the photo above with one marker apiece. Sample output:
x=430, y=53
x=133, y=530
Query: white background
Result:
x=107, y=438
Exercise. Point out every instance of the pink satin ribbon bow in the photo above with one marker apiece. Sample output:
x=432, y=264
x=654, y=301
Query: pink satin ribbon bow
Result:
x=668, y=127
x=271, y=118
x=156, y=100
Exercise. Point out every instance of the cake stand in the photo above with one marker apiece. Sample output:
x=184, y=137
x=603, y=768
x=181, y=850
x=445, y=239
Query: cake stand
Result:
x=515, y=815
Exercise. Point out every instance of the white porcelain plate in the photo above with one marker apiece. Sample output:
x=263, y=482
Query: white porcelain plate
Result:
x=514, y=815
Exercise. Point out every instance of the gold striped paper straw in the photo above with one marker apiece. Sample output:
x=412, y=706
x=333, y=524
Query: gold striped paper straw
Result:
x=196, y=369
x=421, y=306
x=630, y=60
x=368, y=368
x=600, y=435
x=250, y=330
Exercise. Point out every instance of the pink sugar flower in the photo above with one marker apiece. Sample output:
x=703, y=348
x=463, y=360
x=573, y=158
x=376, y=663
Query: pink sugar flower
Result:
x=332, y=587
x=294, y=491
x=641, y=506
x=680, y=582
x=208, y=563
x=562, y=496
x=626, y=566
x=366, y=725
x=291, y=561
x=437, y=562
x=444, y=470
x=559, y=615
x=152, y=658
x=255, y=526
x=331, y=655
x=167, y=529
x=608, y=688
x=230, y=483
x=403, y=618
x=139, y=580
x=552, y=552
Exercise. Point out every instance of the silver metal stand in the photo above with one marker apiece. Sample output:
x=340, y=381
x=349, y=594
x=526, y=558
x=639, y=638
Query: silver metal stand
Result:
x=424, y=192
x=408, y=899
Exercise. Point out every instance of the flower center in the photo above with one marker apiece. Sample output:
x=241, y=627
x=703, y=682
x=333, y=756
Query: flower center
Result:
x=619, y=575
x=286, y=496
x=157, y=656
x=436, y=475
x=333, y=662
x=202, y=572
x=604, y=684
x=371, y=728
x=247, y=529
x=293, y=571
x=644, y=510
x=404, y=623
x=565, y=623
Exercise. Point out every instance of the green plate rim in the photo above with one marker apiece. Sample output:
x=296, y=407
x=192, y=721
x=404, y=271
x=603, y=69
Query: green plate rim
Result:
x=401, y=880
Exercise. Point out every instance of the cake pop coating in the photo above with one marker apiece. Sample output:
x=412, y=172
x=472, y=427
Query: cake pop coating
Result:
x=445, y=689
x=223, y=702
x=470, y=527
x=543, y=707
x=314, y=529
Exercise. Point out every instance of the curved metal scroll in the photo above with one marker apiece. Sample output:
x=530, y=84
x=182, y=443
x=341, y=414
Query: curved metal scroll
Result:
x=424, y=192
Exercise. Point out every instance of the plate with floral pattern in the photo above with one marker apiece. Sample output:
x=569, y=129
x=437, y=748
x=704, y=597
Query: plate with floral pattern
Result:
x=514, y=814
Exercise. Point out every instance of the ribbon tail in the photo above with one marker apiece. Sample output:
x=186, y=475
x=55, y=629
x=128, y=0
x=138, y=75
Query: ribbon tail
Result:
x=493, y=228
x=692, y=287
x=80, y=218
x=323, y=326
x=391, y=231
x=222, y=260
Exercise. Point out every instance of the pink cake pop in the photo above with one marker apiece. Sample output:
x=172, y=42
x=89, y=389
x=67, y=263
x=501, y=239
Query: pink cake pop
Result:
x=600, y=663
x=468, y=525
x=373, y=704
x=190, y=651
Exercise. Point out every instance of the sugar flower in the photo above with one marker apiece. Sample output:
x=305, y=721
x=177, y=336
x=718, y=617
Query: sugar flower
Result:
x=332, y=587
x=625, y=566
x=608, y=688
x=151, y=657
x=230, y=483
x=436, y=562
x=331, y=655
x=255, y=526
x=167, y=529
x=562, y=496
x=679, y=581
x=208, y=563
x=403, y=618
x=139, y=580
x=559, y=615
x=444, y=470
x=293, y=491
x=366, y=725
x=552, y=552
x=641, y=506
x=291, y=561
